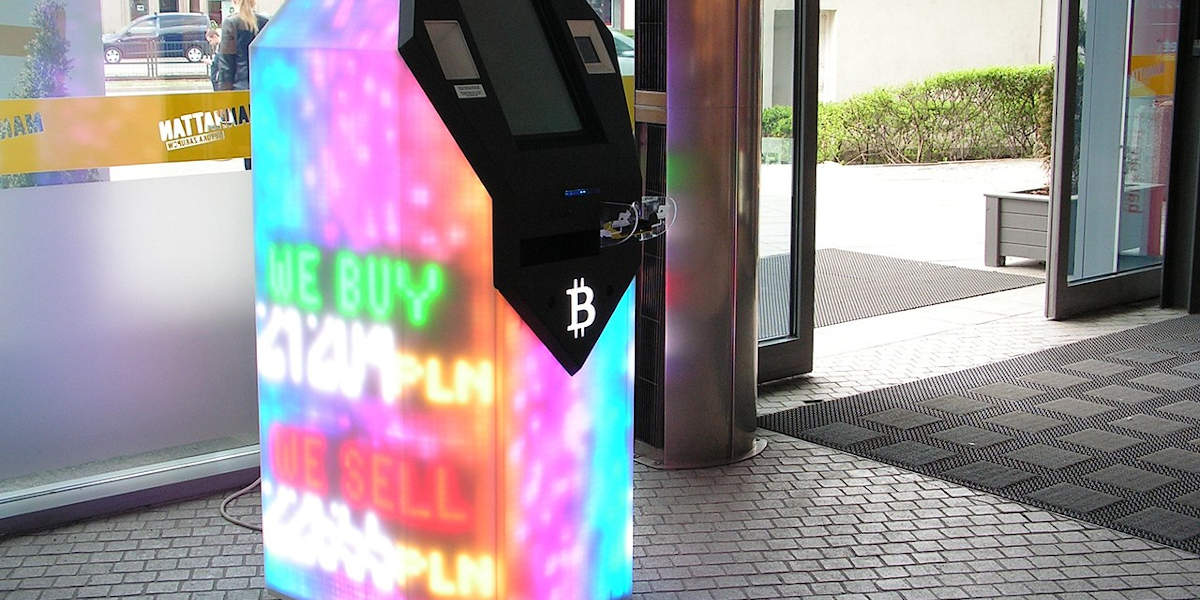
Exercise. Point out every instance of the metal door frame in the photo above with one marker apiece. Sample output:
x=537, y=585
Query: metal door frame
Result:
x=793, y=355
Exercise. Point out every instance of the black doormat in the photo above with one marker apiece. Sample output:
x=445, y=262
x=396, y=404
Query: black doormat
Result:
x=853, y=285
x=1106, y=430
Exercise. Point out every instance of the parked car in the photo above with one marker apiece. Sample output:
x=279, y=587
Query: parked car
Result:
x=161, y=35
x=625, y=47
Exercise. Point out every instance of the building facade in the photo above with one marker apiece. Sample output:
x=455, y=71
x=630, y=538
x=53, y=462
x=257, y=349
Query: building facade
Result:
x=118, y=13
x=866, y=44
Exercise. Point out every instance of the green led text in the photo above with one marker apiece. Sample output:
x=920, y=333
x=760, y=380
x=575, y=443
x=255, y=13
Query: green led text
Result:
x=373, y=286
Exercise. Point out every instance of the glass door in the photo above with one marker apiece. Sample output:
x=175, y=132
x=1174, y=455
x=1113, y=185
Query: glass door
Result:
x=787, y=209
x=1113, y=122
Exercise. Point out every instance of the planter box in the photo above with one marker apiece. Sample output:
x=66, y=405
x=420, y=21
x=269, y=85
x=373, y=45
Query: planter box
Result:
x=1016, y=225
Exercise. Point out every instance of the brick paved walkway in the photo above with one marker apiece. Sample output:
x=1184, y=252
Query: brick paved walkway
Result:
x=799, y=521
x=803, y=521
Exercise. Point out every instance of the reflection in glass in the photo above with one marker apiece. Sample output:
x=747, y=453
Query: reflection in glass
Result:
x=1125, y=111
x=68, y=49
x=94, y=377
x=775, y=289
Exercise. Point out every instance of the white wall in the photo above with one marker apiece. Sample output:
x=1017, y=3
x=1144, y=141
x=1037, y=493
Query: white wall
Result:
x=1049, y=30
x=115, y=15
x=627, y=20
x=876, y=44
x=873, y=43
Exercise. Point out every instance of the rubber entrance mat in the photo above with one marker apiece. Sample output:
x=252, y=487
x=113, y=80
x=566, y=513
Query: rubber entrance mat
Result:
x=1106, y=430
x=853, y=285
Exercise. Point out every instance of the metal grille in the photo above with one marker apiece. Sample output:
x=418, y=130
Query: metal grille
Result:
x=654, y=148
x=650, y=74
x=650, y=62
x=650, y=328
x=1132, y=466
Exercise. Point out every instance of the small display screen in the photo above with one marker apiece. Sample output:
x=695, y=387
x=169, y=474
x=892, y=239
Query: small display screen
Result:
x=520, y=63
x=587, y=50
x=579, y=192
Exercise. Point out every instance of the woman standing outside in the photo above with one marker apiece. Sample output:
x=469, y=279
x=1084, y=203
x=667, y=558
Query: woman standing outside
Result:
x=233, y=53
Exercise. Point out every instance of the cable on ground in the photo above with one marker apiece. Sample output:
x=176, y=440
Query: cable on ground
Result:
x=238, y=494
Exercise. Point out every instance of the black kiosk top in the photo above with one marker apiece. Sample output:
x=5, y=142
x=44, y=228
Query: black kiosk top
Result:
x=531, y=92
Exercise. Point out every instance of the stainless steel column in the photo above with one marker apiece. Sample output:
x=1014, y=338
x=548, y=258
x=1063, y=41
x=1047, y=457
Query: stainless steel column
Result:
x=713, y=147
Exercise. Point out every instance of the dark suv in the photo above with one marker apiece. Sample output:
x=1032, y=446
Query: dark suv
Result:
x=164, y=34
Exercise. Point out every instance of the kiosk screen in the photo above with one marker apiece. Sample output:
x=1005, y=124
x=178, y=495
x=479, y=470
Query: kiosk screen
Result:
x=517, y=55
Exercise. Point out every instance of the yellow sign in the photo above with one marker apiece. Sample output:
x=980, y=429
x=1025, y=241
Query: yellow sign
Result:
x=62, y=134
x=1152, y=75
x=59, y=134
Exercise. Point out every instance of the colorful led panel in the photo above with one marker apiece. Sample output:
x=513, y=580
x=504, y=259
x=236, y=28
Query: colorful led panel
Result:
x=418, y=441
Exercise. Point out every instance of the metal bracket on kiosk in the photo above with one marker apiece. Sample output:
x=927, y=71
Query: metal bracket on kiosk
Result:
x=643, y=221
x=656, y=214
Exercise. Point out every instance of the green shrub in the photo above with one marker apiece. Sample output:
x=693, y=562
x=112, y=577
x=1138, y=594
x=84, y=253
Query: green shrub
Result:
x=1045, y=113
x=1002, y=112
x=777, y=122
x=831, y=130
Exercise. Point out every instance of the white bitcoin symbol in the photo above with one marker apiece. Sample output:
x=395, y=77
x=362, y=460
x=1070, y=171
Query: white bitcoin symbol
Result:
x=579, y=327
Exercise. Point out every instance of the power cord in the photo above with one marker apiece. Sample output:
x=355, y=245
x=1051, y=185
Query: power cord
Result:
x=238, y=494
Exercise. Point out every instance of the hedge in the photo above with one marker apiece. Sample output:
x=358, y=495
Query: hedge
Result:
x=777, y=121
x=1001, y=112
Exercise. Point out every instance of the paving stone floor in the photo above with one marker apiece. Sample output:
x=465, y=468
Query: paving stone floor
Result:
x=798, y=521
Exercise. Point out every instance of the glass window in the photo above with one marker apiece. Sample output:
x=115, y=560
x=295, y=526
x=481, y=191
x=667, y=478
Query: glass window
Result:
x=1125, y=107
x=143, y=27
x=113, y=49
x=99, y=362
x=165, y=21
x=777, y=197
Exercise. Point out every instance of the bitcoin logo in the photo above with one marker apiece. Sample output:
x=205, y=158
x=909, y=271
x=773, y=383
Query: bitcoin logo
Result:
x=581, y=303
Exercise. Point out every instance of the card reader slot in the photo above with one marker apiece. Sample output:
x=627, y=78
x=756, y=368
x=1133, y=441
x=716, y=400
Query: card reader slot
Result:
x=563, y=246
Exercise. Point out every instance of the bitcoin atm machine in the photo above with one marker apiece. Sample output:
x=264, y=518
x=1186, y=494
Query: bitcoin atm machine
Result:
x=446, y=197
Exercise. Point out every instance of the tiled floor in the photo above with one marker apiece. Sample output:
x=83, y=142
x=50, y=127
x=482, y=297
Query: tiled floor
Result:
x=799, y=521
